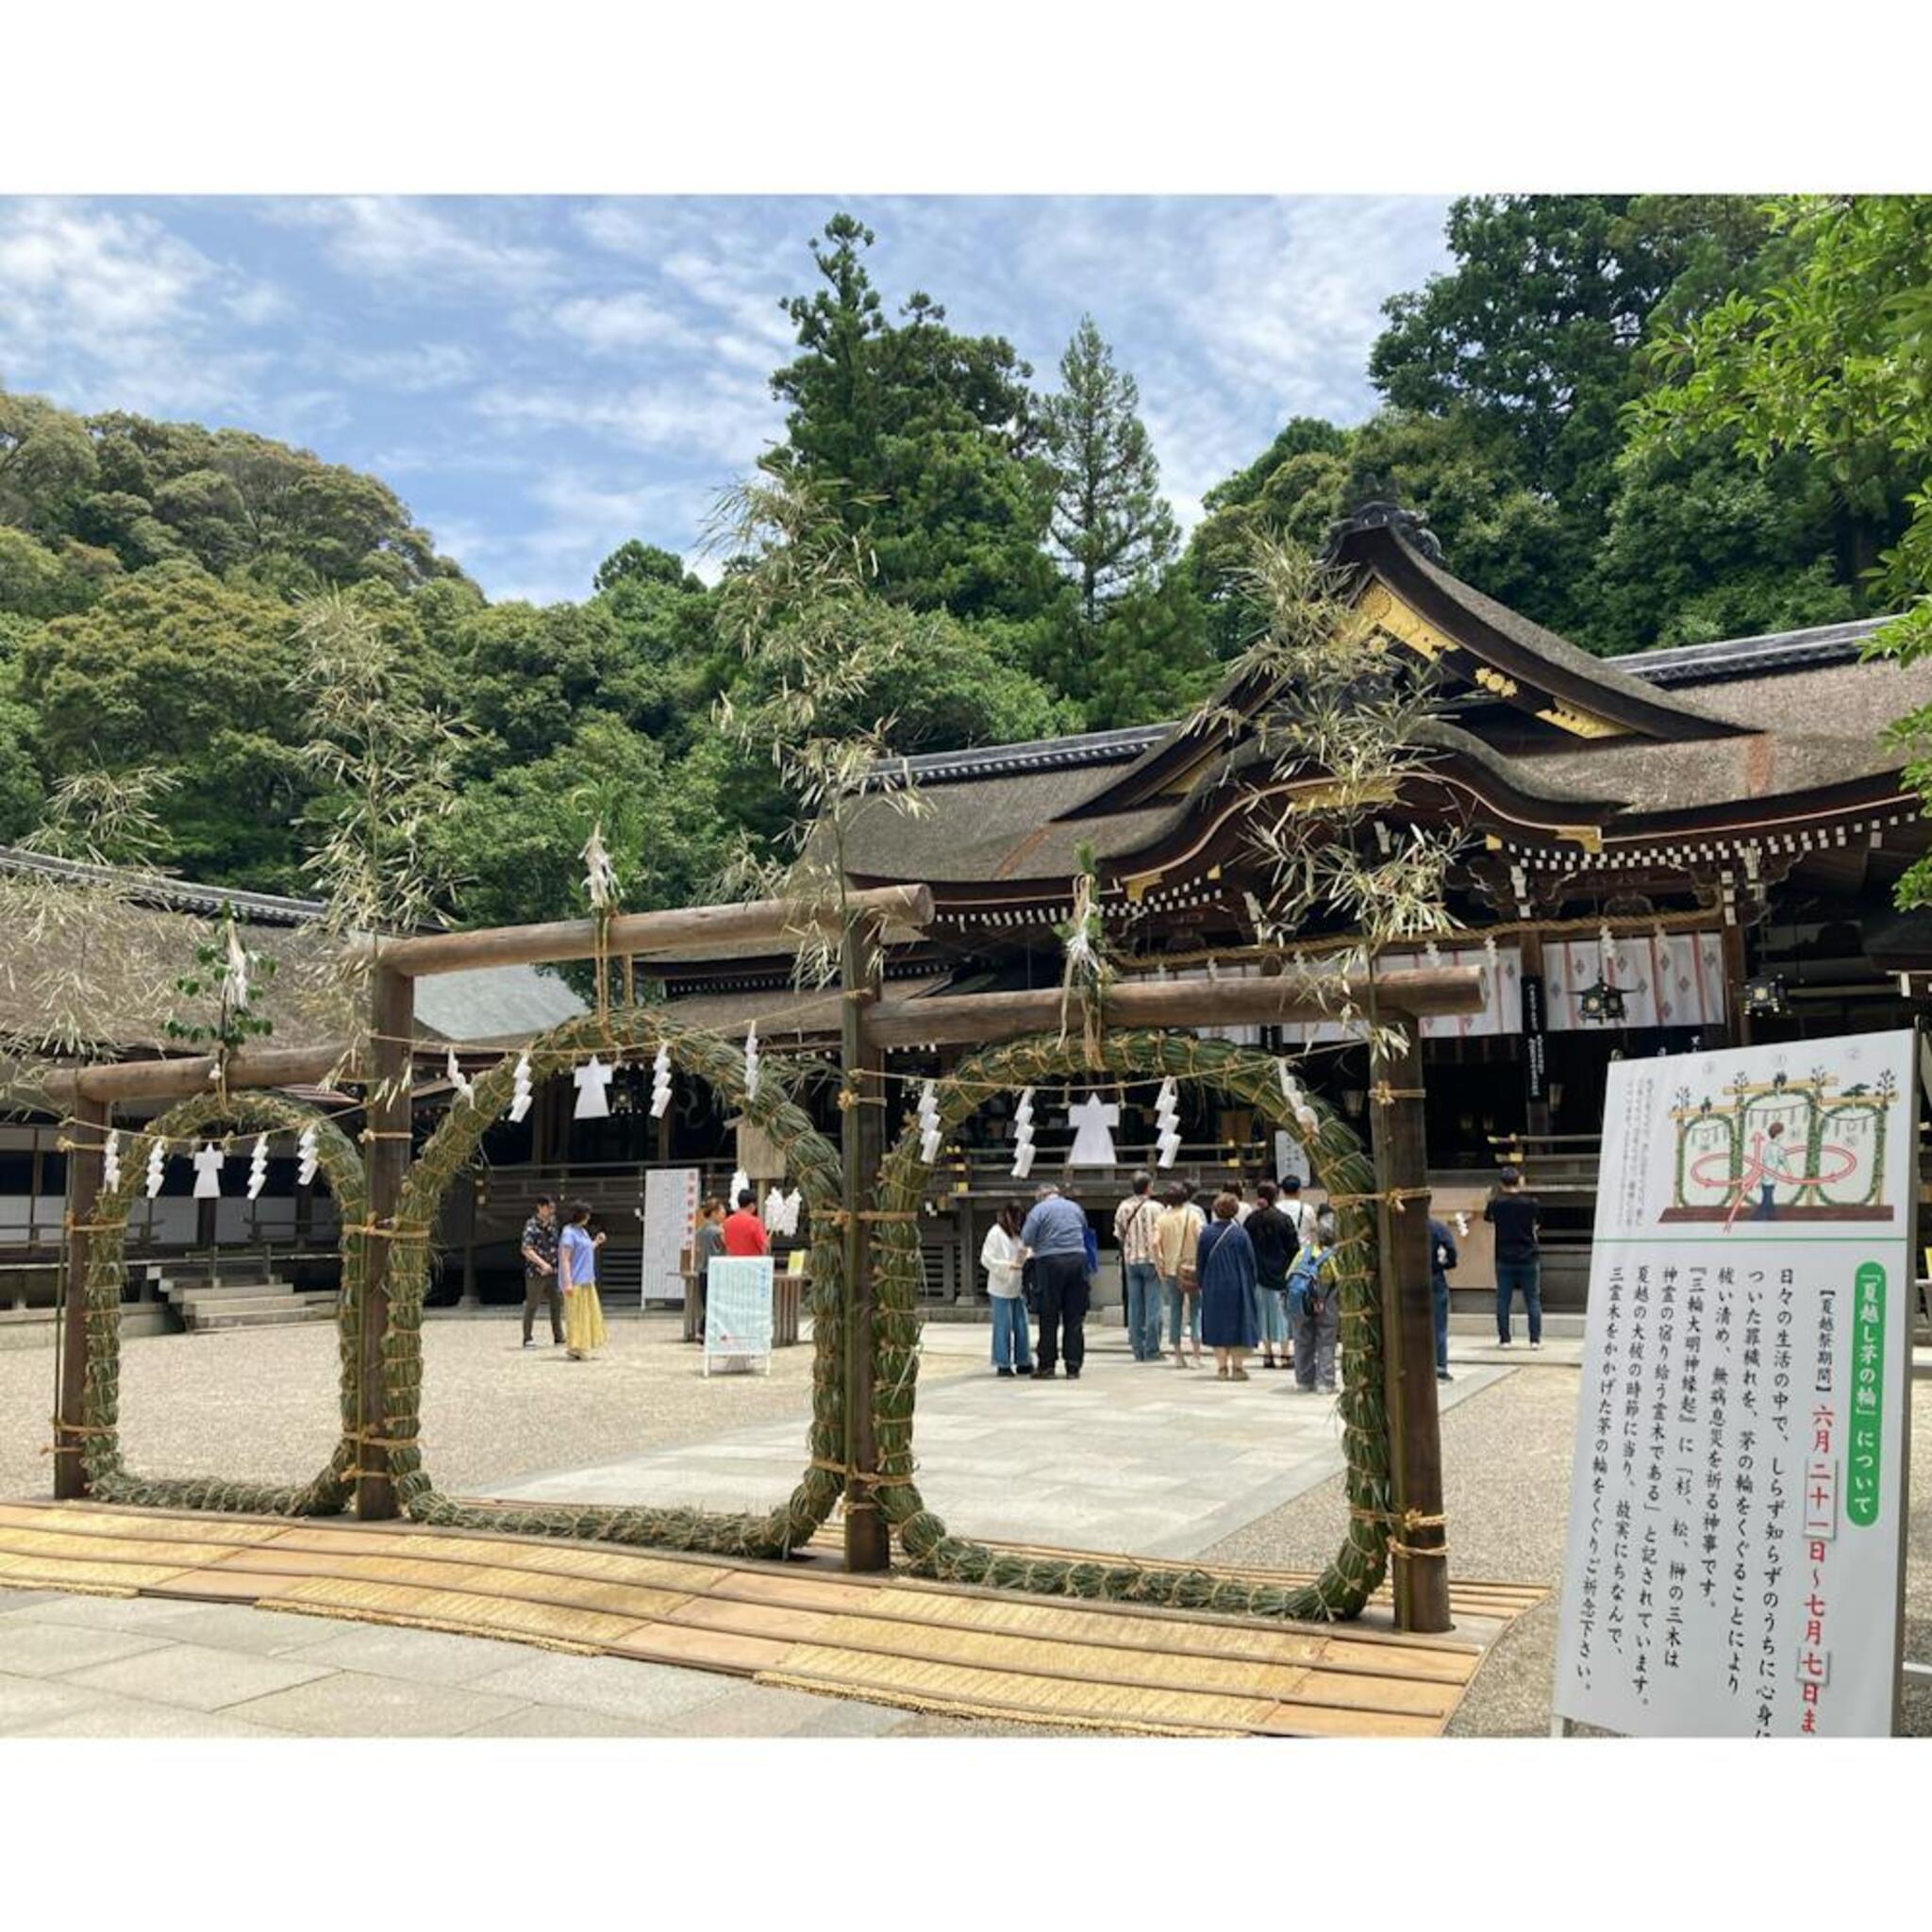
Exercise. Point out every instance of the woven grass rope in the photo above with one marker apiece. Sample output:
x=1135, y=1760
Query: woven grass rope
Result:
x=815, y=1170
x=1341, y=1164
x=108, y=1478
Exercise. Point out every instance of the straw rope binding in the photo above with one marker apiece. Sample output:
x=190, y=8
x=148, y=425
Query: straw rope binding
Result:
x=448, y=1152
x=109, y=1479
x=1340, y=1163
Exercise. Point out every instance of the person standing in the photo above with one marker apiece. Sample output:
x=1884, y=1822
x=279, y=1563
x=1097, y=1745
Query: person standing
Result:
x=708, y=1244
x=1000, y=1255
x=1314, y=1296
x=1774, y=1170
x=1515, y=1216
x=539, y=1271
x=744, y=1233
x=1141, y=1293
x=1177, y=1237
x=1276, y=1239
x=1225, y=1264
x=1442, y=1256
x=1299, y=1212
x=1055, y=1235
x=576, y=1273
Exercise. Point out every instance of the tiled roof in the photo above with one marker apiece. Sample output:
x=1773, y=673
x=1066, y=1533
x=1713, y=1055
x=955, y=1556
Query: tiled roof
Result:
x=172, y=894
x=1767, y=656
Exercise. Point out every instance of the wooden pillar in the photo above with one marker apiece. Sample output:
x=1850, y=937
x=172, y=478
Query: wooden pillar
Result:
x=84, y=1165
x=868, y=1542
x=1409, y=1351
x=1737, y=970
x=393, y=1021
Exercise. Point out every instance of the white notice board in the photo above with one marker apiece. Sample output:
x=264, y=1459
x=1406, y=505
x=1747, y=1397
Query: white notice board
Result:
x=737, y=1311
x=1736, y=1533
x=670, y=1219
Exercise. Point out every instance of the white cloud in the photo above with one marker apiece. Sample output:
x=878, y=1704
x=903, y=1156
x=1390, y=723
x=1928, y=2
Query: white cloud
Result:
x=416, y=370
x=111, y=309
x=630, y=321
x=696, y=411
x=391, y=239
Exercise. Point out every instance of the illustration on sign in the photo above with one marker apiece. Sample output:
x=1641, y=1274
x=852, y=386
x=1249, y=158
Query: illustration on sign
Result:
x=1805, y=1148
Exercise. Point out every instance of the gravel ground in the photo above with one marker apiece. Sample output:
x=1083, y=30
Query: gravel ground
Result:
x=260, y=1403
x=1506, y=1483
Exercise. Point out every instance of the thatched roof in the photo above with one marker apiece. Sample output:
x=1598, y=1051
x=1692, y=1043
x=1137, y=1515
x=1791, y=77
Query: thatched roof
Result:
x=127, y=951
x=1811, y=728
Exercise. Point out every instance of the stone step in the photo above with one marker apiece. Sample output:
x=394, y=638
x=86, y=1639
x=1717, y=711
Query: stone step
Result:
x=1557, y=1326
x=242, y=1286
x=201, y=1311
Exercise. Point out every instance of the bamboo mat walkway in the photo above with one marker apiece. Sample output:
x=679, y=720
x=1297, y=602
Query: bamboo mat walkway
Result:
x=808, y=1625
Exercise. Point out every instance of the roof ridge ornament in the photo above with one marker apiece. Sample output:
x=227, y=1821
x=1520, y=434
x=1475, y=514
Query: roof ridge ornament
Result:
x=1384, y=513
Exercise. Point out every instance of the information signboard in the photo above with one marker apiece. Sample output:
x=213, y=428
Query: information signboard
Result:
x=737, y=1311
x=670, y=1219
x=1735, y=1558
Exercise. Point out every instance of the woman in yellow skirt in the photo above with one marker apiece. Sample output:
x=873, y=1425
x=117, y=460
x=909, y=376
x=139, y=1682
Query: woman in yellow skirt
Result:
x=577, y=1274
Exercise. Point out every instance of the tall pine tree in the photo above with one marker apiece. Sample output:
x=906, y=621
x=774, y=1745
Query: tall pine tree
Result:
x=1112, y=528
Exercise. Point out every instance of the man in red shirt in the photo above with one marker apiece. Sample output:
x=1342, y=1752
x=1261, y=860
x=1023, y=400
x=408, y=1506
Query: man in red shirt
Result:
x=744, y=1233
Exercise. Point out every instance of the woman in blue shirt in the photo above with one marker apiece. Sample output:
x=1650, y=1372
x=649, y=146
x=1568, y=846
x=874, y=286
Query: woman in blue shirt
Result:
x=577, y=1274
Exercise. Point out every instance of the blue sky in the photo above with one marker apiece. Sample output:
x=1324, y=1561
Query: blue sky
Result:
x=539, y=378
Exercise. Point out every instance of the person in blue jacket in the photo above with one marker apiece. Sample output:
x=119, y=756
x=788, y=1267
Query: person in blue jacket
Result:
x=1225, y=1264
x=1442, y=1256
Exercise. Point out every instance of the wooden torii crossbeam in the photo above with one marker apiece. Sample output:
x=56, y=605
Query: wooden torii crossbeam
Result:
x=872, y=1024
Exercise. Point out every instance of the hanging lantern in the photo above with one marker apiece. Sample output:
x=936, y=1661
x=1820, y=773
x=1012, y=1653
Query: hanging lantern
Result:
x=1602, y=1002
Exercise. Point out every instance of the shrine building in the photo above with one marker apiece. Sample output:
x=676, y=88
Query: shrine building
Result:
x=1730, y=815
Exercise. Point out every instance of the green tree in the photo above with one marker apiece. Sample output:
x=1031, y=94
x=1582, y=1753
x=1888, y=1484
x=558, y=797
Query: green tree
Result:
x=173, y=669
x=529, y=674
x=514, y=838
x=22, y=791
x=919, y=440
x=1112, y=528
x=1830, y=360
x=1533, y=333
x=634, y=562
x=45, y=458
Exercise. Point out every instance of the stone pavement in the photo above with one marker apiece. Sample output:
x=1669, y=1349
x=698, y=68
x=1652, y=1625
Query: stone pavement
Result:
x=1144, y=1459
x=1137, y=1457
x=144, y=1667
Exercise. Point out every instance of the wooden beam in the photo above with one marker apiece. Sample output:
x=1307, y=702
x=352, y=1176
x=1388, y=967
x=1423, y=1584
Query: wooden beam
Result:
x=983, y=1018
x=175, y=1079
x=947, y=1020
x=776, y=920
x=85, y=1162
